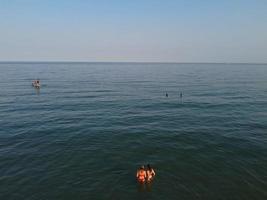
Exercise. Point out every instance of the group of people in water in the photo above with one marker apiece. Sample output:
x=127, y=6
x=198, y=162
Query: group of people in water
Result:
x=145, y=174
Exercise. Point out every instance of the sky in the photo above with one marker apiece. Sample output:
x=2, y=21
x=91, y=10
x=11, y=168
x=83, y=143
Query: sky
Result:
x=134, y=30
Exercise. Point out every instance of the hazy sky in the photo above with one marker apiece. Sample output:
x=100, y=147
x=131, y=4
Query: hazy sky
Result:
x=134, y=30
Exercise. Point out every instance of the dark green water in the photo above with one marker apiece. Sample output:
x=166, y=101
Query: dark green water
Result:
x=90, y=126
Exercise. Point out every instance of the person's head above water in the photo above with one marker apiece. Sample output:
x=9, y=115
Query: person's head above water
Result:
x=142, y=167
x=149, y=167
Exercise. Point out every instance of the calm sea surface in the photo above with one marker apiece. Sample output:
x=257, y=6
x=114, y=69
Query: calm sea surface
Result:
x=91, y=125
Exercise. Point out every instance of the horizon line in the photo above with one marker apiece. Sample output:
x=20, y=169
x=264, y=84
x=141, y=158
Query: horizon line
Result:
x=133, y=62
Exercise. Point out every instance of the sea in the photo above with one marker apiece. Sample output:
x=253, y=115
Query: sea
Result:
x=85, y=132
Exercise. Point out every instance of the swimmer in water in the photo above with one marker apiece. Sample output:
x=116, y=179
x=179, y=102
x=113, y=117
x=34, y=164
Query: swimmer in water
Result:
x=141, y=174
x=167, y=95
x=150, y=173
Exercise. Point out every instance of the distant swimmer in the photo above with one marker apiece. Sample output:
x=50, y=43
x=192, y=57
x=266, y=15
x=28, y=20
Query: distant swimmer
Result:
x=150, y=173
x=141, y=175
x=181, y=94
x=36, y=83
x=167, y=94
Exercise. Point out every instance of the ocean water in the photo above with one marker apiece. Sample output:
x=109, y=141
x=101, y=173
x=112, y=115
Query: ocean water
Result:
x=84, y=133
